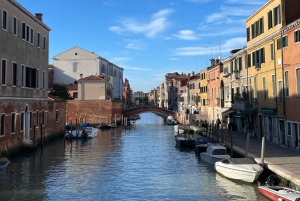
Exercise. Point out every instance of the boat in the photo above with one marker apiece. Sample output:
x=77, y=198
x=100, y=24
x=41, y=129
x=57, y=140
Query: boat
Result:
x=4, y=162
x=184, y=141
x=177, y=130
x=214, y=153
x=171, y=121
x=87, y=131
x=113, y=125
x=104, y=126
x=279, y=193
x=243, y=169
x=202, y=143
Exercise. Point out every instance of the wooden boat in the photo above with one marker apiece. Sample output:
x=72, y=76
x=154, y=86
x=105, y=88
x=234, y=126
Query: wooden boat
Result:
x=279, y=193
x=184, y=141
x=214, y=153
x=244, y=169
x=87, y=131
x=4, y=162
x=202, y=143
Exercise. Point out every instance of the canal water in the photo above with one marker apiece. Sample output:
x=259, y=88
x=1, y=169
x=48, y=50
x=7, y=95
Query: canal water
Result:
x=140, y=163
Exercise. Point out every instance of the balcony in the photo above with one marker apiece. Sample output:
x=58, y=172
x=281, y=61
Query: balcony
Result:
x=227, y=74
x=257, y=66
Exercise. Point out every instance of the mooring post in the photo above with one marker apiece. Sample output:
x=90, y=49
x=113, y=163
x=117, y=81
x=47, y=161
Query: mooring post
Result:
x=247, y=145
x=262, y=160
x=34, y=135
x=231, y=145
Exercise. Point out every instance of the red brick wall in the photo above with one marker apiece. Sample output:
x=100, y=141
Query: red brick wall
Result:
x=15, y=140
x=94, y=112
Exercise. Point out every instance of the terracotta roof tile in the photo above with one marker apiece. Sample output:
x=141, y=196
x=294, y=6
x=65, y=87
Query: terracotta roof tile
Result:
x=93, y=77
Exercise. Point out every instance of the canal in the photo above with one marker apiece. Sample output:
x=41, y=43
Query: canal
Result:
x=140, y=163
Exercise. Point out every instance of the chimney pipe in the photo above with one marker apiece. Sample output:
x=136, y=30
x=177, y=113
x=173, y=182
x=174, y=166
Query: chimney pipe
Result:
x=39, y=16
x=81, y=76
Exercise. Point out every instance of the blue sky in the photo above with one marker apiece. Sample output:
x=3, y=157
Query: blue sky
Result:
x=148, y=38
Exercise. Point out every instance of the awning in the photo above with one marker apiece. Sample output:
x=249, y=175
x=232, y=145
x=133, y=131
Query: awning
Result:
x=223, y=110
x=246, y=112
x=267, y=111
x=228, y=112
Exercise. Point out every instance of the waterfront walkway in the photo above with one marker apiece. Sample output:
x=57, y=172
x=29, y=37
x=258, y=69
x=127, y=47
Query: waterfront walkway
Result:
x=284, y=162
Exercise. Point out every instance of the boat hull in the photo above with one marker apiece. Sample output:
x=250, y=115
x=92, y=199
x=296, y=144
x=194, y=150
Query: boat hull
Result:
x=279, y=192
x=212, y=159
x=4, y=162
x=185, y=142
x=244, y=172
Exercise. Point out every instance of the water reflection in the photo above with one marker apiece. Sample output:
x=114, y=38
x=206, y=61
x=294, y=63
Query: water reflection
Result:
x=140, y=163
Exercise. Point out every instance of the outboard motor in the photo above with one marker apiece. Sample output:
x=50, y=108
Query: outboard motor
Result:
x=271, y=180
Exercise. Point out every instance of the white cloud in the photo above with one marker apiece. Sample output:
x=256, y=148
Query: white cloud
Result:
x=186, y=35
x=136, y=45
x=157, y=24
x=118, y=60
x=199, y=1
x=247, y=2
x=173, y=59
x=229, y=45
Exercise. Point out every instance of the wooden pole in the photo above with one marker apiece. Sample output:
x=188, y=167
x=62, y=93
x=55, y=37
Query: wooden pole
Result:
x=231, y=145
x=247, y=145
x=34, y=135
x=262, y=160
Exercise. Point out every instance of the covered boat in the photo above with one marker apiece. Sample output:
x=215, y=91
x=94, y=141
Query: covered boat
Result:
x=244, y=169
x=214, y=153
x=202, y=143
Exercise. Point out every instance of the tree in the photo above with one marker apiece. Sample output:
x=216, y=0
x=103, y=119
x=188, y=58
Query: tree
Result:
x=61, y=90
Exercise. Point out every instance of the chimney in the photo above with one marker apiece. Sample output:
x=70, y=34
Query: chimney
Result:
x=39, y=16
x=81, y=76
x=189, y=76
x=193, y=73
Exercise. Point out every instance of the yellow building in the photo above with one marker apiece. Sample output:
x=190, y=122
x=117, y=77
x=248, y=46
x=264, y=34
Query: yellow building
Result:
x=264, y=62
x=203, y=91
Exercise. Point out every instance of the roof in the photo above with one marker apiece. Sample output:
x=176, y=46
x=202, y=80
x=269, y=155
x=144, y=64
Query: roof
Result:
x=93, y=78
x=72, y=86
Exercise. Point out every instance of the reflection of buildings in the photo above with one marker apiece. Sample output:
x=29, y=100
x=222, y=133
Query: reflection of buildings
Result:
x=127, y=94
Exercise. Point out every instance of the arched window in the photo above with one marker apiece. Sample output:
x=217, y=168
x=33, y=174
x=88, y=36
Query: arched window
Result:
x=75, y=67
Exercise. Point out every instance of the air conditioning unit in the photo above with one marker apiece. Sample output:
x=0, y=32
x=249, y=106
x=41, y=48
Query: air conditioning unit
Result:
x=257, y=66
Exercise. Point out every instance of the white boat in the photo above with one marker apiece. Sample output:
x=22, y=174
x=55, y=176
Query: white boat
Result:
x=178, y=130
x=214, y=153
x=86, y=132
x=244, y=169
x=171, y=121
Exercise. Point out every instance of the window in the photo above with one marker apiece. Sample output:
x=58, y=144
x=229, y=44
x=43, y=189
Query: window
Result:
x=13, y=118
x=225, y=70
x=3, y=72
x=75, y=67
x=27, y=33
x=37, y=118
x=286, y=84
x=248, y=34
x=257, y=28
x=44, y=77
x=44, y=43
x=115, y=73
x=75, y=95
x=4, y=20
x=14, y=26
x=280, y=91
x=249, y=60
x=37, y=78
x=282, y=42
x=277, y=18
x=22, y=121
x=297, y=35
x=38, y=38
x=103, y=69
x=258, y=56
x=56, y=115
x=274, y=86
x=298, y=81
x=23, y=76
x=23, y=30
x=2, y=130
x=270, y=20
x=255, y=88
x=272, y=51
x=31, y=35
x=240, y=63
x=15, y=67
x=264, y=88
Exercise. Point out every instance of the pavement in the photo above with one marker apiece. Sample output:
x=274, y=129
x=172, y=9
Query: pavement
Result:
x=284, y=162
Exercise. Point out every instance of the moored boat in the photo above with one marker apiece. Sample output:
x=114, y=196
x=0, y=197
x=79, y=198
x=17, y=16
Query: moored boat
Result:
x=184, y=141
x=4, y=162
x=104, y=126
x=214, y=153
x=202, y=143
x=279, y=193
x=243, y=169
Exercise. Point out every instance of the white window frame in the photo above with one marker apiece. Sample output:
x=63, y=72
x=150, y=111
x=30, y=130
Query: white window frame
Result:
x=23, y=75
x=14, y=26
x=38, y=38
x=13, y=128
x=4, y=28
x=31, y=37
x=38, y=78
x=272, y=50
x=13, y=72
x=23, y=29
x=44, y=43
x=273, y=77
x=44, y=77
x=3, y=84
x=280, y=93
x=264, y=87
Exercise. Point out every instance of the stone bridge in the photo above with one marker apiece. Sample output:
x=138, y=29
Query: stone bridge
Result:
x=148, y=108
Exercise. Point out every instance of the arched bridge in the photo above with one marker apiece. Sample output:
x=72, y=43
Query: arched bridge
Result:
x=148, y=108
